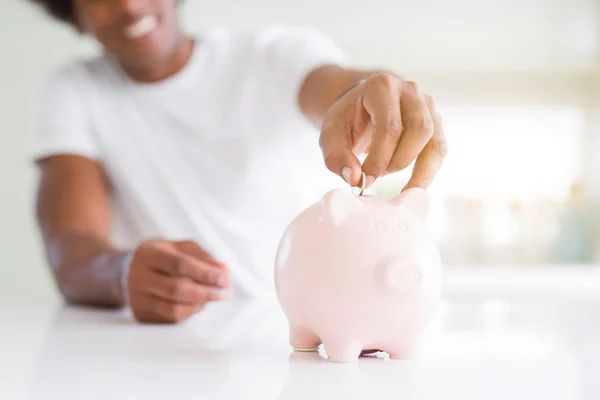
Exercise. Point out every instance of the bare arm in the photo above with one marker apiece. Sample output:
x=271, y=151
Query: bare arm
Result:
x=73, y=214
x=166, y=281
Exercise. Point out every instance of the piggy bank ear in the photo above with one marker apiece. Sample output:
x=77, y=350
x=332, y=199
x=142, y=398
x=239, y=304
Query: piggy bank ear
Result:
x=338, y=204
x=414, y=199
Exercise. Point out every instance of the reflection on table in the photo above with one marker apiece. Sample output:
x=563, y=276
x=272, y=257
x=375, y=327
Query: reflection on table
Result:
x=475, y=349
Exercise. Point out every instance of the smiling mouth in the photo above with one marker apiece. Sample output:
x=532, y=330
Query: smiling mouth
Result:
x=142, y=27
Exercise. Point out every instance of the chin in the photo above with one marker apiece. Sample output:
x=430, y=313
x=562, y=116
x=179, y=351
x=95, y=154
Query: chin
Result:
x=147, y=56
x=149, y=50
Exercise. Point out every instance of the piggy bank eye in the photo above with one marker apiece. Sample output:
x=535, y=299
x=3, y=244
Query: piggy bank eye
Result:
x=379, y=226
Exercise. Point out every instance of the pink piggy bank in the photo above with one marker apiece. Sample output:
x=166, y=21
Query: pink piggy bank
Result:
x=359, y=273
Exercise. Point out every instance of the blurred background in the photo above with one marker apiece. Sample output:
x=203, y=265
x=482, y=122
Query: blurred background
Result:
x=517, y=83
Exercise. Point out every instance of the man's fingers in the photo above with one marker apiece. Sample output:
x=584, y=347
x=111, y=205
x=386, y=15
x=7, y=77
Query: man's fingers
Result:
x=336, y=145
x=382, y=102
x=431, y=158
x=418, y=128
x=192, y=248
x=428, y=164
x=199, y=271
x=182, y=290
x=177, y=264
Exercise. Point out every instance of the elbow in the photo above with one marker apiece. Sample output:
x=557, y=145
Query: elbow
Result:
x=80, y=274
x=65, y=284
x=63, y=275
x=67, y=291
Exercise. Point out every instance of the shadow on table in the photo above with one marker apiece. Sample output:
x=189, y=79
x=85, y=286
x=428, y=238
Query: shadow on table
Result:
x=311, y=376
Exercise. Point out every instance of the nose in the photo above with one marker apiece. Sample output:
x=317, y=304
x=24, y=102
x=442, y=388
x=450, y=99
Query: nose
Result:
x=399, y=276
x=404, y=279
x=131, y=7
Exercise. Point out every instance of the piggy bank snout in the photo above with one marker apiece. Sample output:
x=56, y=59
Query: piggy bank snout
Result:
x=401, y=276
x=404, y=279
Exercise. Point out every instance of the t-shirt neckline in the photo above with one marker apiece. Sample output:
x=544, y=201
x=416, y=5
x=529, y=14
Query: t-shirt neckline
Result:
x=175, y=80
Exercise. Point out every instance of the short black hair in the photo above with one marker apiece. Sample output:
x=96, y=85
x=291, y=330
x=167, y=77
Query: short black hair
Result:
x=62, y=10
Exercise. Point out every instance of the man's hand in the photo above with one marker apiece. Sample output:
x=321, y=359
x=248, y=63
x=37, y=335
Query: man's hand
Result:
x=390, y=120
x=169, y=281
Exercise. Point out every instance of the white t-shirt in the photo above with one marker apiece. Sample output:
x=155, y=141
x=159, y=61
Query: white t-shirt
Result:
x=219, y=153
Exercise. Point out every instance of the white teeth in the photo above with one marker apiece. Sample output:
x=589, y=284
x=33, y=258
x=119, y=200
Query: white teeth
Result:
x=142, y=27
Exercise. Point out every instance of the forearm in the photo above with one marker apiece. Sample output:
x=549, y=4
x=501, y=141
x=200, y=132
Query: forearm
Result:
x=73, y=214
x=87, y=269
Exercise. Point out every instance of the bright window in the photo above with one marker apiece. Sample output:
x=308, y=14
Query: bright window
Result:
x=511, y=153
x=509, y=175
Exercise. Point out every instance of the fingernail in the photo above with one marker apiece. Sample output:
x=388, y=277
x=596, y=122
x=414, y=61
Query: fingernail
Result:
x=219, y=265
x=370, y=181
x=346, y=173
x=221, y=281
x=224, y=294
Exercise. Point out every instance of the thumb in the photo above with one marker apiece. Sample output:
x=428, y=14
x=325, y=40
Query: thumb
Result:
x=336, y=146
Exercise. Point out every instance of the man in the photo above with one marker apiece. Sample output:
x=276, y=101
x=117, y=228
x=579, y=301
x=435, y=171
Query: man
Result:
x=200, y=150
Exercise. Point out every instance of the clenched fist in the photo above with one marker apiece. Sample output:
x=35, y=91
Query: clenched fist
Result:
x=167, y=281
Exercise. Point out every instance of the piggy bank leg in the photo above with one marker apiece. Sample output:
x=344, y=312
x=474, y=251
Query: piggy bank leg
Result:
x=342, y=351
x=401, y=350
x=303, y=339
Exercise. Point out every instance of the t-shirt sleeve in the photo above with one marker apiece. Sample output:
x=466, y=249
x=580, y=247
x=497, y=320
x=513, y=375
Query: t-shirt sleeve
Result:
x=60, y=122
x=291, y=53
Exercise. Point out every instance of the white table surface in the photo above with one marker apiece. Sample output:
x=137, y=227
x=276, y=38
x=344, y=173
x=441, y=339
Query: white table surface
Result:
x=476, y=348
